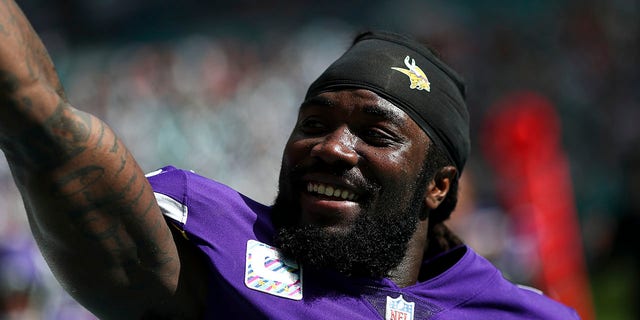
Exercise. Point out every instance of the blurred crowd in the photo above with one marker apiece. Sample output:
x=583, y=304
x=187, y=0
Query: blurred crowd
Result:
x=215, y=88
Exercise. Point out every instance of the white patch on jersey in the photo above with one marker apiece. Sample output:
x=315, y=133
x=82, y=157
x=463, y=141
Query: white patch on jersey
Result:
x=153, y=173
x=172, y=208
x=532, y=289
x=399, y=309
x=268, y=271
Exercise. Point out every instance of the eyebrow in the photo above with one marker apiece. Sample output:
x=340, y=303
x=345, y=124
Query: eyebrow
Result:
x=317, y=101
x=385, y=111
x=388, y=114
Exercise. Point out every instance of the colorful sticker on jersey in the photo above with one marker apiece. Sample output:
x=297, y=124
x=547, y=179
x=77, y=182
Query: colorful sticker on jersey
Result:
x=399, y=309
x=269, y=272
x=419, y=80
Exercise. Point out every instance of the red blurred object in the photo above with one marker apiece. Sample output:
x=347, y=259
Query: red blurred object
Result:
x=521, y=140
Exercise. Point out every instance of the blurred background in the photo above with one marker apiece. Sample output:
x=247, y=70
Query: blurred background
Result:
x=551, y=193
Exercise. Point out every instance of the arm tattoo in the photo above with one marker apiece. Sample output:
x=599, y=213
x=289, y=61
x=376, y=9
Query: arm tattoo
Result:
x=115, y=146
x=59, y=139
x=92, y=201
x=8, y=82
x=78, y=181
x=83, y=191
x=100, y=136
x=3, y=31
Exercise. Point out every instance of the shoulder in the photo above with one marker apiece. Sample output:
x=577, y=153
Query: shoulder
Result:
x=514, y=301
x=182, y=192
x=179, y=183
x=205, y=208
x=475, y=288
x=211, y=223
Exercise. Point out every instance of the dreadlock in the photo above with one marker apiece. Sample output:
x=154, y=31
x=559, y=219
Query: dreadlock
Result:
x=439, y=237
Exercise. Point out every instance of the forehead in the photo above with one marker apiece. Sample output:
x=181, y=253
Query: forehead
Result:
x=361, y=100
x=367, y=105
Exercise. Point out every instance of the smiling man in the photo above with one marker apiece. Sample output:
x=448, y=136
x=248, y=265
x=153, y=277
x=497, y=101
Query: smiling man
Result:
x=368, y=176
x=353, y=182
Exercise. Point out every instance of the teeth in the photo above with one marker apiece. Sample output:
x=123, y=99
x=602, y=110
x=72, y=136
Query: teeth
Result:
x=330, y=191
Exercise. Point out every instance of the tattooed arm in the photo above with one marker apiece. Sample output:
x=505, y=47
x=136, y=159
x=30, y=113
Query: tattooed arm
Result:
x=89, y=205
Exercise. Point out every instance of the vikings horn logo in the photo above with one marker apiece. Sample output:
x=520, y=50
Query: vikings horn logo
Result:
x=418, y=79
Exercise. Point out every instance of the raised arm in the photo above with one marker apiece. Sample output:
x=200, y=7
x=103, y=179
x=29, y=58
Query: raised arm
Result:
x=90, y=208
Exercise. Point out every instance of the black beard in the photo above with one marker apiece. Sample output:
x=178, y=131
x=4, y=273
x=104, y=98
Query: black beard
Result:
x=374, y=246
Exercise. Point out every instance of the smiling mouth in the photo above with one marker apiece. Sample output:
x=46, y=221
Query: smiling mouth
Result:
x=331, y=191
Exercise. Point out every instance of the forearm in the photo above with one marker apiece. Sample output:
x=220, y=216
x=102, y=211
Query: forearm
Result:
x=26, y=72
x=95, y=214
x=90, y=207
x=98, y=226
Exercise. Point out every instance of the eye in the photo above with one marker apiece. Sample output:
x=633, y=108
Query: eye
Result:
x=379, y=137
x=312, y=125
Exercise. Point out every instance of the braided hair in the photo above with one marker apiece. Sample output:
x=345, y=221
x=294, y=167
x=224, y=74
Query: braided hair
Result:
x=440, y=238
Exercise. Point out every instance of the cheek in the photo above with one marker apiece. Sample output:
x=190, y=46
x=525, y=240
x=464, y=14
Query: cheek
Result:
x=295, y=151
x=399, y=158
x=400, y=163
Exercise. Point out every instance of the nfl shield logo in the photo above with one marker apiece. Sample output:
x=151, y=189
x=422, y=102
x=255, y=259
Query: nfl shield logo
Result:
x=399, y=309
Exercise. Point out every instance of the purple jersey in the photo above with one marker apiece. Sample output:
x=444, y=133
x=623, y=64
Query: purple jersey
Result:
x=251, y=280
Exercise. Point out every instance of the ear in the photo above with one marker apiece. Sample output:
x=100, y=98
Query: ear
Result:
x=439, y=187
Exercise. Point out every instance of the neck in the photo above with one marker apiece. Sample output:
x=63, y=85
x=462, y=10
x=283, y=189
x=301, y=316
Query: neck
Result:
x=407, y=272
x=440, y=239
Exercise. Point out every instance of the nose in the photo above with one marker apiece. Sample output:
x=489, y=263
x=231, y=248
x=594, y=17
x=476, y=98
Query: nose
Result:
x=337, y=147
